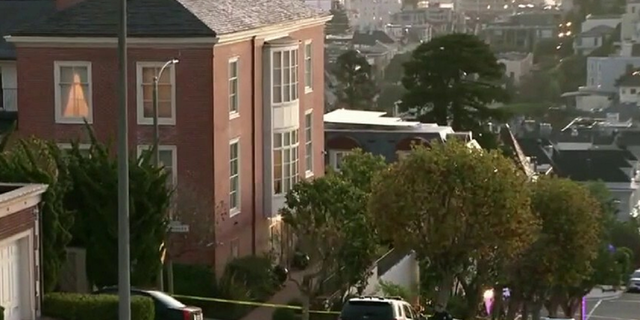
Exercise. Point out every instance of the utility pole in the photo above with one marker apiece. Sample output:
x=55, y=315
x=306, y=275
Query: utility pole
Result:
x=124, y=281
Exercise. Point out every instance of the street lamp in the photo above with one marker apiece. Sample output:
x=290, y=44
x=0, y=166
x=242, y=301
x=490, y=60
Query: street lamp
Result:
x=156, y=128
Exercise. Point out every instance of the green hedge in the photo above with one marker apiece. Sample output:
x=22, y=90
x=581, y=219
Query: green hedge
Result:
x=71, y=306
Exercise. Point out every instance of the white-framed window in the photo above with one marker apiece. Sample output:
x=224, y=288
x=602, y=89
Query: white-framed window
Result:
x=285, y=76
x=168, y=158
x=234, y=177
x=285, y=161
x=234, y=106
x=308, y=142
x=308, y=67
x=73, y=92
x=146, y=72
x=84, y=147
x=336, y=156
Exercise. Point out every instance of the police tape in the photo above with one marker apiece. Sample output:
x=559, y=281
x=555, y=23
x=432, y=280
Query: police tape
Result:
x=252, y=303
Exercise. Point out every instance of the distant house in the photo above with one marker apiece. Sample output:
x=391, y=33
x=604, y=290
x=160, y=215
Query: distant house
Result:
x=517, y=65
x=374, y=132
x=20, y=255
x=587, y=41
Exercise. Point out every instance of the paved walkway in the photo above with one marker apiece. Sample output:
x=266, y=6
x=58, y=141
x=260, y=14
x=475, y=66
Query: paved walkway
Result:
x=606, y=294
x=289, y=292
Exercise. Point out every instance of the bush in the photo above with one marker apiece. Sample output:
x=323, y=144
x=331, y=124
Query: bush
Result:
x=227, y=289
x=1, y=313
x=194, y=280
x=71, y=306
x=257, y=275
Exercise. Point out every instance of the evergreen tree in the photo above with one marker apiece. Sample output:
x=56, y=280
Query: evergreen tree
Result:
x=356, y=86
x=339, y=23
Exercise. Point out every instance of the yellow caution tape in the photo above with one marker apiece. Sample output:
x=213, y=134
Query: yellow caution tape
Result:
x=257, y=304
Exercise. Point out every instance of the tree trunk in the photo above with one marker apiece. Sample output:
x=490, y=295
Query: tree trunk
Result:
x=536, y=308
x=515, y=302
x=498, y=303
x=444, y=291
x=525, y=310
x=473, y=299
x=571, y=307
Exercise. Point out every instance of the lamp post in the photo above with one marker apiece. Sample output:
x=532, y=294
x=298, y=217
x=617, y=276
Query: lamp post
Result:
x=156, y=143
x=156, y=128
x=124, y=258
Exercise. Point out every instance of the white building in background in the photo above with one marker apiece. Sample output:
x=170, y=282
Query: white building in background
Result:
x=371, y=14
x=517, y=65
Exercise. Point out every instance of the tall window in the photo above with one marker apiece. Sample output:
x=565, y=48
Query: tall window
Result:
x=308, y=67
x=234, y=177
x=166, y=93
x=73, y=92
x=233, y=86
x=285, y=161
x=285, y=76
x=168, y=158
x=308, y=143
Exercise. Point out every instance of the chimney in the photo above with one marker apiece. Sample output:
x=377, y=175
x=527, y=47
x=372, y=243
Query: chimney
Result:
x=64, y=4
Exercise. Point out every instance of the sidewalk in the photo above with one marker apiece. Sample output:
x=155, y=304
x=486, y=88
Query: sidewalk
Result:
x=599, y=294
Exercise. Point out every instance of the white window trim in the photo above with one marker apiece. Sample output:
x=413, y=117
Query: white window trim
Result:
x=308, y=173
x=140, y=94
x=282, y=148
x=333, y=157
x=308, y=87
x=174, y=158
x=58, y=95
x=236, y=113
x=271, y=73
x=235, y=211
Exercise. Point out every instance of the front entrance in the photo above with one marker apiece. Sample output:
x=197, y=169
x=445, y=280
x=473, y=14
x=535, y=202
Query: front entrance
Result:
x=15, y=290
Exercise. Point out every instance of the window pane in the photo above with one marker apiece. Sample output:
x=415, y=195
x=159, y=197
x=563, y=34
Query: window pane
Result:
x=286, y=92
x=277, y=77
x=80, y=75
x=287, y=139
x=307, y=50
x=277, y=60
x=66, y=74
x=164, y=92
x=277, y=94
x=147, y=92
x=147, y=74
x=74, y=100
x=166, y=158
x=165, y=78
x=277, y=140
x=286, y=61
x=148, y=109
x=233, y=69
x=164, y=109
x=287, y=75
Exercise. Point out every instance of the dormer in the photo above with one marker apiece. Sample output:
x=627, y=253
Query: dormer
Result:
x=629, y=87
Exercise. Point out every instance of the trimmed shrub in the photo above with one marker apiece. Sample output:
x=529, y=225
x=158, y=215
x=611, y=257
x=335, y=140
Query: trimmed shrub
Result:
x=194, y=280
x=72, y=306
x=285, y=314
x=256, y=274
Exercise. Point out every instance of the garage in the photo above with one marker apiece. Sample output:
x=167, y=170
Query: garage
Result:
x=19, y=254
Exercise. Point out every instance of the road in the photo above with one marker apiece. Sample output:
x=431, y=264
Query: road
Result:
x=627, y=307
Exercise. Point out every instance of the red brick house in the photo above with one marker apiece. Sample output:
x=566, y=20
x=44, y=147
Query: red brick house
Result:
x=19, y=250
x=240, y=114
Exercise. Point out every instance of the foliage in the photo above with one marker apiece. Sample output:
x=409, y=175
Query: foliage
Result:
x=72, y=306
x=359, y=168
x=390, y=289
x=454, y=205
x=1, y=313
x=255, y=273
x=194, y=280
x=94, y=195
x=38, y=161
x=626, y=235
x=453, y=79
x=339, y=23
x=538, y=87
x=327, y=215
x=229, y=289
x=285, y=314
x=356, y=87
x=562, y=256
x=389, y=95
x=395, y=69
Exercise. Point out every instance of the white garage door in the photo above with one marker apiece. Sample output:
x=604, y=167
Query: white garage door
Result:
x=10, y=280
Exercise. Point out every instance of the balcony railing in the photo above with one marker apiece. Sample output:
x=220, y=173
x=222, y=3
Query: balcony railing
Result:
x=8, y=99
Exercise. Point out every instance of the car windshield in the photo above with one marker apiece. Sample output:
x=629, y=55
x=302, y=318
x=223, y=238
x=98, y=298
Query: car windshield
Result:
x=636, y=274
x=369, y=310
x=166, y=300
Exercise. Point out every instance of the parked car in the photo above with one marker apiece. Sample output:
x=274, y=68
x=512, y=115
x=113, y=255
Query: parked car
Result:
x=634, y=282
x=377, y=308
x=167, y=307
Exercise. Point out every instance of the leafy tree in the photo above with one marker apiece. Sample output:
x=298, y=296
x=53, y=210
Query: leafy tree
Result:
x=538, y=87
x=327, y=215
x=389, y=95
x=394, y=71
x=38, y=161
x=94, y=195
x=339, y=23
x=627, y=235
x=356, y=87
x=455, y=206
x=452, y=79
x=568, y=243
x=360, y=168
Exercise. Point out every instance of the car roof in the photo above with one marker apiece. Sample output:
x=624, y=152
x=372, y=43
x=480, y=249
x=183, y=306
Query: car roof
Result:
x=390, y=300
